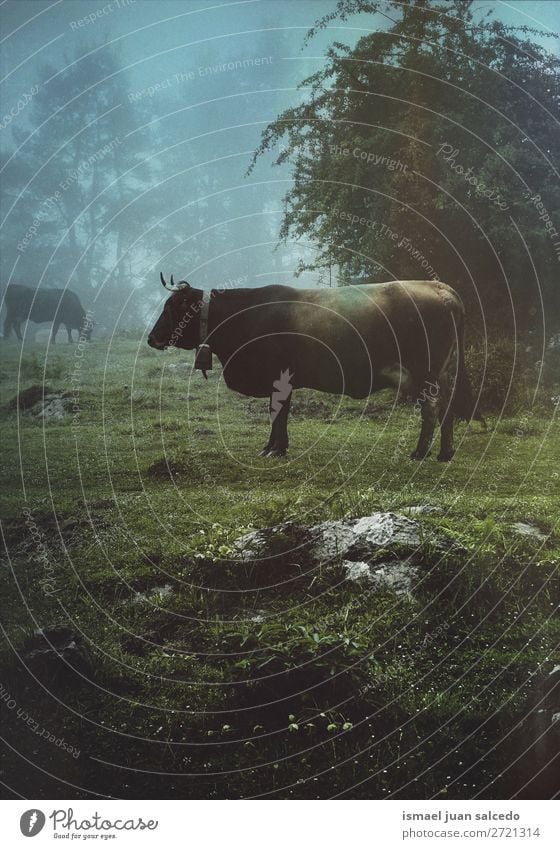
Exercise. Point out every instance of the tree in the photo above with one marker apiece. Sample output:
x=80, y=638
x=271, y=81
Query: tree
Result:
x=74, y=186
x=428, y=150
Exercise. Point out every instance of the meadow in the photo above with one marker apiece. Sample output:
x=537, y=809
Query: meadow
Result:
x=209, y=678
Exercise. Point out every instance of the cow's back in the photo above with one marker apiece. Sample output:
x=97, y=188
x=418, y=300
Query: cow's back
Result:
x=61, y=305
x=41, y=305
x=342, y=340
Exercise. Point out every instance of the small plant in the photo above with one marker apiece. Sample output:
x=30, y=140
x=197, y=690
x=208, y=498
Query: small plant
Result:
x=216, y=542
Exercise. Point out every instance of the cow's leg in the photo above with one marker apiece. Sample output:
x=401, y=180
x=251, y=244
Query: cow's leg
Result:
x=7, y=326
x=17, y=327
x=54, y=331
x=445, y=415
x=277, y=444
x=69, y=332
x=428, y=401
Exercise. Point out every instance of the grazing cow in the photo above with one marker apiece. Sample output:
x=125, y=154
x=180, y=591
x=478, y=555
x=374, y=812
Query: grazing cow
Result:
x=351, y=341
x=61, y=306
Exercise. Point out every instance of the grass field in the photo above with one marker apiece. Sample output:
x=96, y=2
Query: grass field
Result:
x=212, y=679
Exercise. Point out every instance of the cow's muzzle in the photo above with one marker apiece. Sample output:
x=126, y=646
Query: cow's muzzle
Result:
x=155, y=343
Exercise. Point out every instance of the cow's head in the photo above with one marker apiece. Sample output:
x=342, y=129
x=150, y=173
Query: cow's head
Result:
x=178, y=325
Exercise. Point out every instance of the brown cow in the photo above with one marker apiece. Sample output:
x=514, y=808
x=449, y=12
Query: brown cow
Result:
x=351, y=341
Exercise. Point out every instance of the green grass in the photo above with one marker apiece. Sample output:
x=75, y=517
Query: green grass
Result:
x=292, y=684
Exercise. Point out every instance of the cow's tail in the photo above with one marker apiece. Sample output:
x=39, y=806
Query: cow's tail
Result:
x=463, y=402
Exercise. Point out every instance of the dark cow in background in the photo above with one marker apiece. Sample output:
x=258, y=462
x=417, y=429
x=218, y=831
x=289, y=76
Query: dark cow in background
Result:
x=351, y=341
x=61, y=306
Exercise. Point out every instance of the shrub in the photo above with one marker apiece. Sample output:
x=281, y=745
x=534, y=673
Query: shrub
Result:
x=500, y=372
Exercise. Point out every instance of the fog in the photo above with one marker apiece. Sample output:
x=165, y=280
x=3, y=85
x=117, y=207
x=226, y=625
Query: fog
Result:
x=127, y=129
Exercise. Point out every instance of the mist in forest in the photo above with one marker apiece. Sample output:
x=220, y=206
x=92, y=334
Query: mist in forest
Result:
x=127, y=130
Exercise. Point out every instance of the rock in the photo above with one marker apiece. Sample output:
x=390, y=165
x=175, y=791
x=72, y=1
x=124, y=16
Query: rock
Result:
x=58, y=657
x=203, y=431
x=345, y=538
x=397, y=575
x=269, y=542
x=527, y=530
x=363, y=546
x=53, y=406
x=424, y=509
x=331, y=539
x=381, y=529
x=357, y=571
x=42, y=403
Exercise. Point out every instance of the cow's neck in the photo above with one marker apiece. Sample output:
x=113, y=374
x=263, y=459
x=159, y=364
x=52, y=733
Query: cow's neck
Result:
x=203, y=358
x=203, y=327
x=224, y=305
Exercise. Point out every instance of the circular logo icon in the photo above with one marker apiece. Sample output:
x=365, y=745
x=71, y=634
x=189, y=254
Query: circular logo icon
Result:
x=31, y=822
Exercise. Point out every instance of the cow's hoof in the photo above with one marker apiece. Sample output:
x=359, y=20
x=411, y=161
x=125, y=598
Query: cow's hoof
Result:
x=420, y=455
x=277, y=452
x=445, y=456
x=264, y=452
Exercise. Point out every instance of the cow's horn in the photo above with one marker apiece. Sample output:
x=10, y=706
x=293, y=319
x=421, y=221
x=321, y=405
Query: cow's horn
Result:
x=171, y=287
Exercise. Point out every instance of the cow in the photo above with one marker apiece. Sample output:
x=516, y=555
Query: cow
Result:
x=352, y=340
x=61, y=306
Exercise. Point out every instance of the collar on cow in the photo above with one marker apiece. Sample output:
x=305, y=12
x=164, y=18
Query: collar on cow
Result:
x=203, y=359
